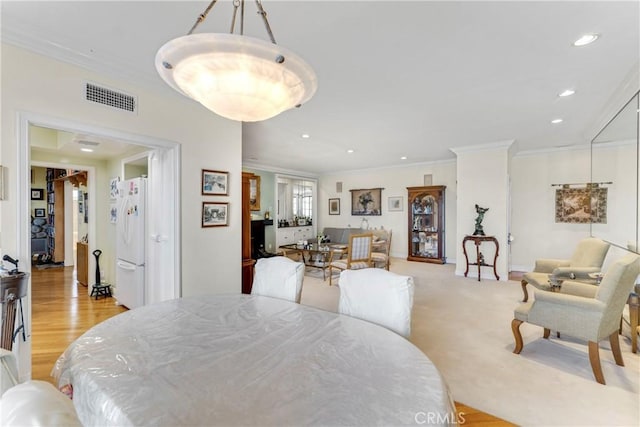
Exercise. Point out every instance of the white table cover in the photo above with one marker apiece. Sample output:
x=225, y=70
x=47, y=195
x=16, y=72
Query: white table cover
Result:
x=248, y=360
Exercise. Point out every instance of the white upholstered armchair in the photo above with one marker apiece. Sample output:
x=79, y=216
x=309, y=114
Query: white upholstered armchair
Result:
x=278, y=277
x=581, y=313
x=378, y=296
x=587, y=258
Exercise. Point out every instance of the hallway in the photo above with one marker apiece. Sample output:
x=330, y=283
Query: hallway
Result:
x=61, y=312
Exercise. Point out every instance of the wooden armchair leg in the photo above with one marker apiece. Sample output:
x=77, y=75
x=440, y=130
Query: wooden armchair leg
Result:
x=620, y=327
x=524, y=291
x=594, y=359
x=515, y=327
x=615, y=349
x=330, y=275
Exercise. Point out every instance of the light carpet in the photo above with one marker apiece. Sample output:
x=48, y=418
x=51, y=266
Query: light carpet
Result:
x=464, y=327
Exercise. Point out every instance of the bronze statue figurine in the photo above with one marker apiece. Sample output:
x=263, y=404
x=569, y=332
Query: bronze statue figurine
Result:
x=479, y=230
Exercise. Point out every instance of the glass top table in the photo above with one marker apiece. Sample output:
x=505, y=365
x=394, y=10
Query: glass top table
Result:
x=315, y=255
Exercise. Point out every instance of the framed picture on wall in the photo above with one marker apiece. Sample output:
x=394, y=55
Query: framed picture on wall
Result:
x=395, y=204
x=215, y=183
x=366, y=201
x=215, y=214
x=334, y=206
x=37, y=194
x=39, y=213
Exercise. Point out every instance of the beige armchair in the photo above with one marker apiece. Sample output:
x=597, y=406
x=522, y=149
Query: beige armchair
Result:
x=587, y=258
x=579, y=312
x=358, y=255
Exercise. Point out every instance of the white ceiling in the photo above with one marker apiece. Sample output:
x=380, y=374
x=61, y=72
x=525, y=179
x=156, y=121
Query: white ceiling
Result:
x=395, y=78
x=69, y=146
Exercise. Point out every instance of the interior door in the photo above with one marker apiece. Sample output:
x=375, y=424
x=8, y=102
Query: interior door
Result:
x=161, y=211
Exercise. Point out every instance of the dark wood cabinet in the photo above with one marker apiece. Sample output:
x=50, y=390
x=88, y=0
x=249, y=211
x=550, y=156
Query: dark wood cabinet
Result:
x=426, y=224
x=247, y=261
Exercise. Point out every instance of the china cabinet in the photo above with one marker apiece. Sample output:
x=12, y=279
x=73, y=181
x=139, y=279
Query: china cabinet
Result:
x=426, y=224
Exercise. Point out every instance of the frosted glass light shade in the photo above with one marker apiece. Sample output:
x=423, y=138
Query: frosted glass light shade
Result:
x=237, y=77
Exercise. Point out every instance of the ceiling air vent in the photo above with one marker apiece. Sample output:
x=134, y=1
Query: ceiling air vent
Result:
x=111, y=98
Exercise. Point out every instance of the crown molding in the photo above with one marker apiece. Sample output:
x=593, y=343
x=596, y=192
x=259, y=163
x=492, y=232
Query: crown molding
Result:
x=629, y=86
x=267, y=168
x=499, y=145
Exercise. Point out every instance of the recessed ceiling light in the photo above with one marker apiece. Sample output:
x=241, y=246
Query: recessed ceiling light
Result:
x=349, y=151
x=567, y=92
x=403, y=158
x=556, y=121
x=87, y=150
x=305, y=135
x=586, y=39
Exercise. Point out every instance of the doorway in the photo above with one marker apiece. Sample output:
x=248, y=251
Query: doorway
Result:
x=58, y=221
x=166, y=246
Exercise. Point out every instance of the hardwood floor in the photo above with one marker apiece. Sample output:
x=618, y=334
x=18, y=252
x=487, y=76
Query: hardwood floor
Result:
x=62, y=311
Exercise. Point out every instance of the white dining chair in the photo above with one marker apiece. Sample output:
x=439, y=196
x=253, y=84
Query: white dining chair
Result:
x=378, y=296
x=278, y=277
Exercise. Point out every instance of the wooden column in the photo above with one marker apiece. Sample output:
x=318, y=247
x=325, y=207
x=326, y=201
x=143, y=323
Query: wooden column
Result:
x=247, y=261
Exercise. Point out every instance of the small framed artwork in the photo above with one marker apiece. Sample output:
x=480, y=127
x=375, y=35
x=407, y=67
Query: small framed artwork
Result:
x=215, y=183
x=334, y=206
x=39, y=213
x=37, y=194
x=215, y=214
x=254, y=193
x=395, y=204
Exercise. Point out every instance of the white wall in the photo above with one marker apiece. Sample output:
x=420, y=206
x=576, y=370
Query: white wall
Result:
x=536, y=234
x=31, y=83
x=395, y=182
x=483, y=180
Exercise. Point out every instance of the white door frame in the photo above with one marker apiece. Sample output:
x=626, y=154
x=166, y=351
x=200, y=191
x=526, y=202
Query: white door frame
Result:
x=26, y=119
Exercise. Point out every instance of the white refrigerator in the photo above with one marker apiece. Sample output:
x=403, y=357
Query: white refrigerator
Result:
x=131, y=237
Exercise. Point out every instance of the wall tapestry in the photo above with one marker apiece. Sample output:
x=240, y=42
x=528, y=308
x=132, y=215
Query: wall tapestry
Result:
x=581, y=205
x=366, y=202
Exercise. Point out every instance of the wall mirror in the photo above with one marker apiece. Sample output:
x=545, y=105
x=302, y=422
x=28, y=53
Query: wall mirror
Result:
x=614, y=159
x=296, y=199
x=254, y=193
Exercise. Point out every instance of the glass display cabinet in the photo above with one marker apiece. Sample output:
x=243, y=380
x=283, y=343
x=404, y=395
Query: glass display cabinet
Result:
x=426, y=224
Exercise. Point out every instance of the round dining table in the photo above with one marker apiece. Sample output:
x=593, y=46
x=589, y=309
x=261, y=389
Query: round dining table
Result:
x=248, y=360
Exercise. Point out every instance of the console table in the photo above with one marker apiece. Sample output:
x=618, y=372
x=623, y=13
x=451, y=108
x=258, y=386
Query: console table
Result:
x=480, y=262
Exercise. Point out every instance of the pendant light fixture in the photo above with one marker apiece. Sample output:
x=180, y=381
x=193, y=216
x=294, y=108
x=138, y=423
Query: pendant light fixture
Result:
x=236, y=76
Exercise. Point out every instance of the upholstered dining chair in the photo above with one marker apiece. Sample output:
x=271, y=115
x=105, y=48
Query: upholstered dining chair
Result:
x=587, y=258
x=358, y=255
x=377, y=296
x=380, y=254
x=278, y=277
x=578, y=312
